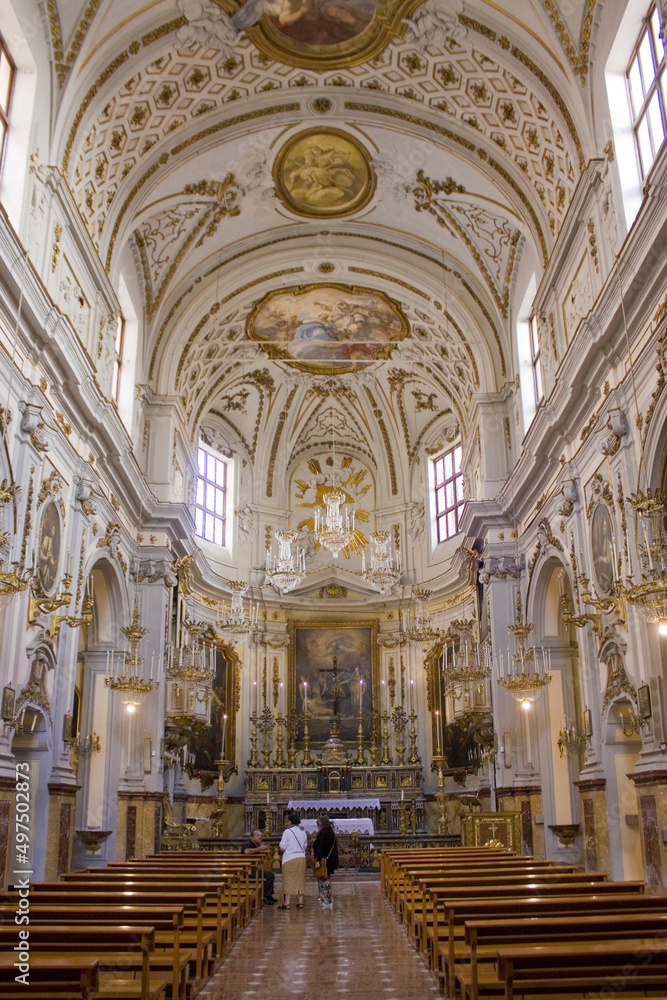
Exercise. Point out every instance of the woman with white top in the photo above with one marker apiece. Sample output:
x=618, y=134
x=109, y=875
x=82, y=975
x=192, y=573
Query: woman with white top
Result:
x=292, y=848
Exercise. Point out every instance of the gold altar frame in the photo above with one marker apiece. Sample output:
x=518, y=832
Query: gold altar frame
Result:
x=360, y=646
x=207, y=744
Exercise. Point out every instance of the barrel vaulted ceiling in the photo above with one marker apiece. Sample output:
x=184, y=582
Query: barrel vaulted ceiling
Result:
x=181, y=132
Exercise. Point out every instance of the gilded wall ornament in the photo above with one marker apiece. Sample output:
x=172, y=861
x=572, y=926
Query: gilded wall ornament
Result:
x=324, y=173
x=327, y=329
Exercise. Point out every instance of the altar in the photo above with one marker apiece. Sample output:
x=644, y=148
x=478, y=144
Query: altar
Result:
x=361, y=826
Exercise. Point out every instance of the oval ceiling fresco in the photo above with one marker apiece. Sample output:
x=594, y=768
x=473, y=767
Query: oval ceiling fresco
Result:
x=327, y=329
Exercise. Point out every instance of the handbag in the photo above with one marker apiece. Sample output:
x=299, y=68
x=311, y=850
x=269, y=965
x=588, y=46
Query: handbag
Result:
x=320, y=869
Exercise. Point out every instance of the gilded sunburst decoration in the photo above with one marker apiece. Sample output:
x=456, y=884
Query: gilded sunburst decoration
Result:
x=338, y=470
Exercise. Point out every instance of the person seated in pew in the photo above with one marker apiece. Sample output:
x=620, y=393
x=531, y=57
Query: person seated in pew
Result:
x=256, y=848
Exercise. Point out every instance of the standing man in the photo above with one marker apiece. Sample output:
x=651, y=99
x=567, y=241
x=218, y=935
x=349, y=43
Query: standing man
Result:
x=256, y=848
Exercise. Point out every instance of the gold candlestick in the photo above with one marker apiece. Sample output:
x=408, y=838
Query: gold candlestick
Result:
x=218, y=810
x=441, y=799
x=306, y=760
x=254, y=759
x=291, y=726
x=414, y=757
x=361, y=755
x=385, y=758
x=374, y=749
x=402, y=819
x=400, y=721
x=267, y=820
x=279, y=760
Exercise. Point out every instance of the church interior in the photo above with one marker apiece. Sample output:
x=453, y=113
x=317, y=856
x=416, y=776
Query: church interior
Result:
x=333, y=472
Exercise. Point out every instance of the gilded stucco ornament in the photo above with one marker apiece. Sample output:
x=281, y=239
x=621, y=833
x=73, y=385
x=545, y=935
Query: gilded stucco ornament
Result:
x=324, y=173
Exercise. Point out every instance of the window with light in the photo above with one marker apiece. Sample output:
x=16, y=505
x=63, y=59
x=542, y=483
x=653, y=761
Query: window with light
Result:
x=535, y=361
x=118, y=360
x=449, y=501
x=7, y=73
x=646, y=91
x=211, y=497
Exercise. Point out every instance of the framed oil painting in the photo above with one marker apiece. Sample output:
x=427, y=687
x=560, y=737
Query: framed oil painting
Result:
x=313, y=649
x=602, y=547
x=207, y=746
x=324, y=173
x=48, y=556
x=644, y=701
x=327, y=329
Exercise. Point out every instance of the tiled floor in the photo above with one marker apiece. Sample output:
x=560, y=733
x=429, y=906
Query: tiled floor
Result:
x=354, y=950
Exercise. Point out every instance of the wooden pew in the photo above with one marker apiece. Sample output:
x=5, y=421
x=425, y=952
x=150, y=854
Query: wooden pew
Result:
x=484, y=937
x=392, y=860
x=69, y=975
x=419, y=909
x=635, y=966
x=168, y=921
x=449, y=929
x=231, y=914
x=193, y=901
x=123, y=947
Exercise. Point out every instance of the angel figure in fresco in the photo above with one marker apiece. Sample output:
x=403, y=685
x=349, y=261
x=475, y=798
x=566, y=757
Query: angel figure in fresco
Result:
x=433, y=23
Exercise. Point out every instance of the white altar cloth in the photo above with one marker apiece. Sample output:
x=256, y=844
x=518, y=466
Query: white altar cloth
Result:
x=333, y=804
x=361, y=825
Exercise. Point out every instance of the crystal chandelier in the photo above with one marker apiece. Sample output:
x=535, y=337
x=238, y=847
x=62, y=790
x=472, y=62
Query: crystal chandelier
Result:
x=650, y=596
x=336, y=531
x=383, y=574
x=523, y=679
x=128, y=683
x=237, y=623
x=417, y=625
x=190, y=672
x=472, y=667
x=286, y=570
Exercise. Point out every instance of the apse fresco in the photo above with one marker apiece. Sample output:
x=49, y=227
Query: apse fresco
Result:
x=328, y=328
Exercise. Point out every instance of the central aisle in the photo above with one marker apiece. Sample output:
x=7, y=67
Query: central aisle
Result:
x=352, y=951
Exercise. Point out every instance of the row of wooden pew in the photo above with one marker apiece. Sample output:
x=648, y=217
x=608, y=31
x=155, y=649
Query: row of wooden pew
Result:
x=492, y=925
x=152, y=929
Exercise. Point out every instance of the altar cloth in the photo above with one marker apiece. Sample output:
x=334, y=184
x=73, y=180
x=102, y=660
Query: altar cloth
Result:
x=361, y=825
x=328, y=805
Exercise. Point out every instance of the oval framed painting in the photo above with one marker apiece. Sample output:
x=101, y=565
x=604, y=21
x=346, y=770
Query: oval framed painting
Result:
x=602, y=547
x=48, y=555
x=324, y=173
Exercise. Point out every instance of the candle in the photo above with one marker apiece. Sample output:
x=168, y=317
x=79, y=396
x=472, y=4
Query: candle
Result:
x=305, y=698
x=224, y=734
x=254, y=684
x=361, y=694
x=107, y=671
x=267, y=798
x=34, y=720
x=648, y=549
x=437, y=731
x=412, y=699
x=152, y=660
x=402, y=794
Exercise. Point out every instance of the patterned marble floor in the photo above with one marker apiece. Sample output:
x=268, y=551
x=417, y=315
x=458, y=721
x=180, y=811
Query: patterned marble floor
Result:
x=355, y=950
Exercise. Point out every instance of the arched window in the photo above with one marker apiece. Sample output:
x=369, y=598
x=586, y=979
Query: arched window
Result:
x=7, y=72
x=212, y=497
x=448, y=492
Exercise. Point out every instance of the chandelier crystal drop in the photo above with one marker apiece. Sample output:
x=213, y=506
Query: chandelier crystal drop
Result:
x=383, y=574
x=336, y=531
x=238, y=623
x=285, y=571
